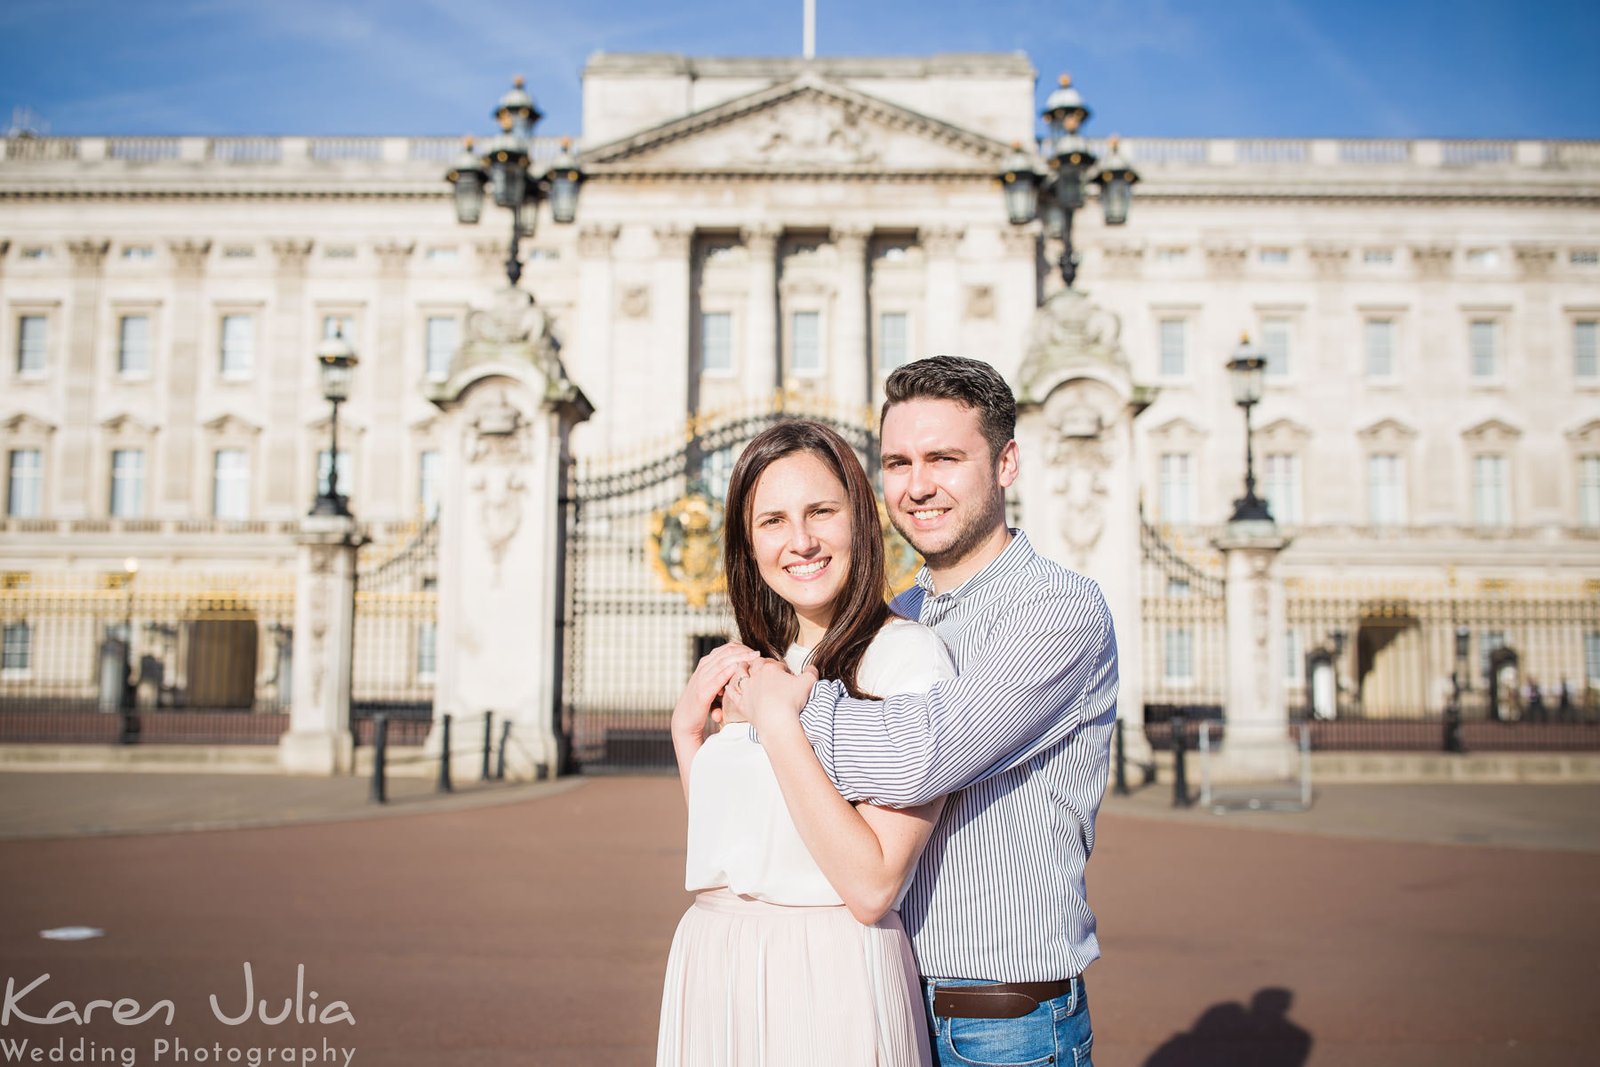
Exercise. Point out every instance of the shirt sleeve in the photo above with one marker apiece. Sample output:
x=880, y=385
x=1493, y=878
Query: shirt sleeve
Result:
x=1047, y=666
x=913, y=660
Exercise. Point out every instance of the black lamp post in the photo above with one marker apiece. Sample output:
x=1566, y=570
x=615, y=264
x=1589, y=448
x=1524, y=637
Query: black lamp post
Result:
x=1458, y=681
x=1246, y=370
x=505, y=168
x=1057, y=190
x=336, y=361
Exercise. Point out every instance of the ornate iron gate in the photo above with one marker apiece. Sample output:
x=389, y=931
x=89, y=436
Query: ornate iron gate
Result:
x=644, y=590
x=396, y=629
x=1185, y=631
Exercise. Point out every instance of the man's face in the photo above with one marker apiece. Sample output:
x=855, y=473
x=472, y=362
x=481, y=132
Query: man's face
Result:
x=943, y=491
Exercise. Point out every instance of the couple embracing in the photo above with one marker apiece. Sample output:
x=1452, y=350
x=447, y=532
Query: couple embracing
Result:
x=887, y=836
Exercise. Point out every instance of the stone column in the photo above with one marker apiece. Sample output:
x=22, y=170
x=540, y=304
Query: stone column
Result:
x=597, y=321
x=290, y=361
x=319, y=740
x=383, y=479
x=508, y=408
x=761, y=366
x=1257, y=743
x=850, y=372
x=941, y=246
x=1079, y=485
x=182, y=431
x=72, y=459
x=668, y=401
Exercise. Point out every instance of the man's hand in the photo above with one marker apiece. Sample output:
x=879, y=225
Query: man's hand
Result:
x=710, y=678
x=769, y=697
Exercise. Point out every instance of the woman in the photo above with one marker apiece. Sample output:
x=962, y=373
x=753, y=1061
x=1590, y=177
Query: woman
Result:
x=791, y=953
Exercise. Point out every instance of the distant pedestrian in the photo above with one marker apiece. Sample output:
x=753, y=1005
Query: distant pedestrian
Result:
x=1536, y=711
x=1564, y=702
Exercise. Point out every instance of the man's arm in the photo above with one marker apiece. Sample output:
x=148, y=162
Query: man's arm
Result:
x=1048, y=666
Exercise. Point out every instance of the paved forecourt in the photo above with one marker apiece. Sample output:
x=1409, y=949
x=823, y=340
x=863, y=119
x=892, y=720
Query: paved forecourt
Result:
x=535, y=932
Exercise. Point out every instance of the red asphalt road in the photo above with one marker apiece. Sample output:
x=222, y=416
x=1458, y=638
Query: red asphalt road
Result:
x=535, y=933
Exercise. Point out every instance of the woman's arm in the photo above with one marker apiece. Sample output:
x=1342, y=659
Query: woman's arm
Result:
x=865, y=851
x=694, y=706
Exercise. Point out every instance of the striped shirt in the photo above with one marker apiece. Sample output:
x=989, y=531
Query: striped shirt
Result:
x=1020, y=740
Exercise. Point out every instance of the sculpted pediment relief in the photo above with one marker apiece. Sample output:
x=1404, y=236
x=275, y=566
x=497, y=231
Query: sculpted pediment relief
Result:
x=1387, y=431
x=808, y=125
x=127, y=425
x=24, y=424
x=1176, y=430
x=1492, y=431
x=230, y=425
x=1285, y=431
x=1588, y=433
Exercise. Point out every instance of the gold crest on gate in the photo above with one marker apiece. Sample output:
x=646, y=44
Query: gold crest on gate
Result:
x=686, y=547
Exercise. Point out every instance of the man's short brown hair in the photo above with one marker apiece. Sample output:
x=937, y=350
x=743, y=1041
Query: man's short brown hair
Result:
x=969, y=382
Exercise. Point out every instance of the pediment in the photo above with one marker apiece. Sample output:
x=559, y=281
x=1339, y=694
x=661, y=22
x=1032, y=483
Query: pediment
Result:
x=1387, y=430
x=1286, y=430
x=127, y=425
x=808, y=125
x=225, y=425
x=1588, y=433
x=319, y=427
x=1491, y=431
x=1177, y=429
x=23, y=424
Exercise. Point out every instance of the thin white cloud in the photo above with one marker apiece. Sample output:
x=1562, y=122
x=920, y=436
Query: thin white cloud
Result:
x=1331, y=58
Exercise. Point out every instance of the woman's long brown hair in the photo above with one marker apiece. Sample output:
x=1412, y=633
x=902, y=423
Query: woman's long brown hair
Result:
x=767, y=622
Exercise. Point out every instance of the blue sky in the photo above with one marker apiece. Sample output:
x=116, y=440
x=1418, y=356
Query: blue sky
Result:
x=1169, y=68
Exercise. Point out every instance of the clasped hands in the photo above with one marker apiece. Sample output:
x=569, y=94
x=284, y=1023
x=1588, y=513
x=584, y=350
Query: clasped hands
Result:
x=733, y=683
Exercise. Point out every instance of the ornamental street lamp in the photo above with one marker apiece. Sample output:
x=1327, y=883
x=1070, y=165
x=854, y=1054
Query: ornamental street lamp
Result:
x=336, y=362
x=1246, y=370
x=1055, y=188
x=504, y=167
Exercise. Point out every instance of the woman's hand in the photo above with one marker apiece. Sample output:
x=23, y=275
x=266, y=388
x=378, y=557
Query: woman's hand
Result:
x=770, y=696
x=706, y=684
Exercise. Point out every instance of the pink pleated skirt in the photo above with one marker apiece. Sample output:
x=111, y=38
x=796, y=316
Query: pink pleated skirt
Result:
x=752, y=984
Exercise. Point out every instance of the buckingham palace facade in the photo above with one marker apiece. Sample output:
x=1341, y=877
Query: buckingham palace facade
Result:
x=758, y=229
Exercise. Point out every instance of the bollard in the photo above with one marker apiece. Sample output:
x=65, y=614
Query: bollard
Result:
x=1180, y=778
x=500, y=761
x=444, y=753
x=488, y=744
x=1121, y=789
x=380, y=753
x=1452, y=728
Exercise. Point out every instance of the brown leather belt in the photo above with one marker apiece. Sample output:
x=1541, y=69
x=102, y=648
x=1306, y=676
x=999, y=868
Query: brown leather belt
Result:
x=1001, y=1000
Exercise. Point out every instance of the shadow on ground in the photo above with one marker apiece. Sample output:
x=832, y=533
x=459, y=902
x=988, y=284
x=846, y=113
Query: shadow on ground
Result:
x=1231, y=1034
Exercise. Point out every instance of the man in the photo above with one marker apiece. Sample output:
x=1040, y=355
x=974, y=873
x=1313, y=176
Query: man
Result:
x=1019, y=740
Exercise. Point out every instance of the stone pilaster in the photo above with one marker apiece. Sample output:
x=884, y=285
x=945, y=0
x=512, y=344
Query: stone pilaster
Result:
x=72, y=458
x=942, y=246
x=318, y=740
x=287, y=358
x=851, y=372
x=389, y=388
x=674, y=296
x=597, y=339
x=761, y=367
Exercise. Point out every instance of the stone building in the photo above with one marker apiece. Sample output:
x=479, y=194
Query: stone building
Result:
x=752, y=229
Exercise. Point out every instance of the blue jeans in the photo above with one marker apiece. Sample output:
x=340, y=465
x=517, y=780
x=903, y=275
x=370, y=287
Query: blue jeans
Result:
x=1056, y=1033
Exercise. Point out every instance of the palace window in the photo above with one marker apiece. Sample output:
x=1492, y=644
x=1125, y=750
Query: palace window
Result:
x=716, y=342
x=1589, y=491
x=430, y=465
x=343, y=325
x=16, y=649
x=1491, y=497
x=1483, y=343
x=325, y=467
x=133, y=346
x=1176, y=489
x=1177, y=659
x=238, y=349
x=25, y=484
x=230, y=484
x=1378, y=256
x=894, y=340
x=1275, y=346
x=127, y=483
x=1586, y=350
x=1174, y=347
x=1591, y=657
x=1291, y=655
x=33, y=339
x=1386, y=504
x=805, y=342
x=1379, y=337
x=1281, y=471
x=443, y=337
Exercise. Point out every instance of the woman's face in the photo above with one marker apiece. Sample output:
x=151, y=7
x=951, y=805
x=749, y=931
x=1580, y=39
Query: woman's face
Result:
x=800, y=531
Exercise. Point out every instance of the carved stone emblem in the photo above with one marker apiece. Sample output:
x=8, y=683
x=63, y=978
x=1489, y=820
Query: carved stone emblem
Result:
x=812, y=131
x=635, y=302
x=1069, y=331
x=497, y=451
x=980, y=301
x=686, y=547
